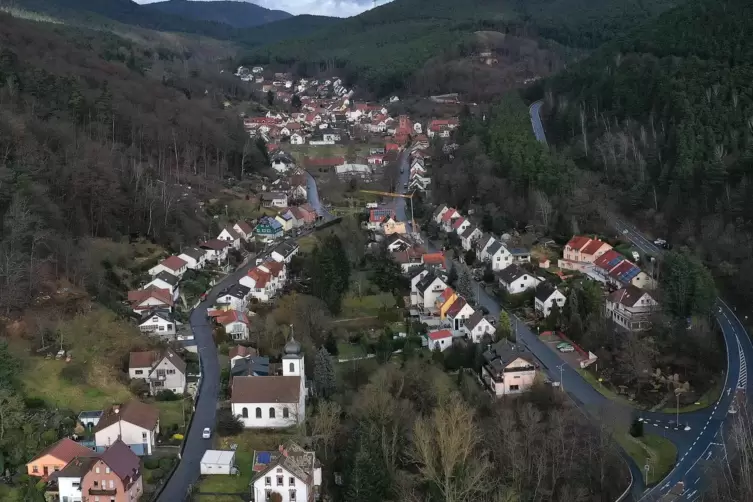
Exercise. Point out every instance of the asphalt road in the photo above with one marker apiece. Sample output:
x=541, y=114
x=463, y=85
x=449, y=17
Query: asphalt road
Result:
x=312, y=194
x=538, y=128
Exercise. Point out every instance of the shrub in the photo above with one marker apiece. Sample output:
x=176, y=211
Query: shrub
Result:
x=75, y=373
x=636, y=428
x=166, y=395
x=166, y=463
x=227, y=423
x=157, y=474
x=151, y=463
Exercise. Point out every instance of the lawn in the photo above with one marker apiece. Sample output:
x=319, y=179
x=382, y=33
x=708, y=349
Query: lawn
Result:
x=658, y=452
x=707, y=399
x=347, y=350
x=171, y=412
x=606, y=391
x=247, y=442
x=42, y=380
x=307, y=243
x=368, y=305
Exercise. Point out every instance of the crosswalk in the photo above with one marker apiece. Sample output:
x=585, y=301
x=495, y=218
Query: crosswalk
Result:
x=742, y=382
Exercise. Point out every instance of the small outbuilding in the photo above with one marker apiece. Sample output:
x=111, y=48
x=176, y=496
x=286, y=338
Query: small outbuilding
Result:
x=217, y=462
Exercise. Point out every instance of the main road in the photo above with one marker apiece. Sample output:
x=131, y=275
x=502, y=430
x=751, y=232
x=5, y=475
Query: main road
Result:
x=205, y=410
x=704, y=440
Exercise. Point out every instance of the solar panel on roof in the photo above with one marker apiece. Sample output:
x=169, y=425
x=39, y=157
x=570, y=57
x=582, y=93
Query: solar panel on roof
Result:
x=615, y=261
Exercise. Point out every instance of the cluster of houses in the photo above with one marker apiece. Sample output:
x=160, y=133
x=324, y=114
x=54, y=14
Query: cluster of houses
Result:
x=418, y=180
x=630, y=305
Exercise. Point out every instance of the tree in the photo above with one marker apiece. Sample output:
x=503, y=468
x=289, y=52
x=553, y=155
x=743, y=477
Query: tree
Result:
x=227, y=423
x=470, y=257
x=295, y=102
x=465, y=286
x=325, y=424
x=270, y=98
x=504, y=327
x=636, y=428
x=324, y=374
x=688, y=285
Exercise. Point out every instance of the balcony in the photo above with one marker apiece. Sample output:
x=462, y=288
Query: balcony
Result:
x=102, y=491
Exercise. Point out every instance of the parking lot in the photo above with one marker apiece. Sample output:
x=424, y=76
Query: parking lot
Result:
x=578, y=358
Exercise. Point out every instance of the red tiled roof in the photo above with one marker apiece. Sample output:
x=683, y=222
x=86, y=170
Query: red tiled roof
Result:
x=456, y=224
x=242, y=351
x=232, y=316
x=433, y=258
x=215, y=244
x=577, y=242
x=439, y=335
x=259, y=276
x=139, y=296
x=173, y=263
x=592, y=247
x=245, y=227
x=274, y=267
x=142, y=359
x=134, y=412
x=448, y=214
x=457, y=306
x=623, y=267
x=603, y=260
x=65, y=450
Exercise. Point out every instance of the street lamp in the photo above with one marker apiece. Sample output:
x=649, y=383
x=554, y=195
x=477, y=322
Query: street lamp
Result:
x=562, y=382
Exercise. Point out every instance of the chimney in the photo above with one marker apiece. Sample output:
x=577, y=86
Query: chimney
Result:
x=116, y=408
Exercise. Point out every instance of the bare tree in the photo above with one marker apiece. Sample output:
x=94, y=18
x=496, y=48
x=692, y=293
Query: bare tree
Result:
x=325, y=424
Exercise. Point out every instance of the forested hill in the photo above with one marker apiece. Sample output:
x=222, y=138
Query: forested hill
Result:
x=233, y=13
x=97, y=136
x=384, y=46
x=664, y=115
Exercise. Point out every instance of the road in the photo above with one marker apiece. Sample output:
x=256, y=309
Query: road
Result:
x=700, y=435
x=187, y=472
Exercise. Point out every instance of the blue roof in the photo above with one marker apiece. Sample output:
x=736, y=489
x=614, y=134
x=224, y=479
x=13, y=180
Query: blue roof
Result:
x=264, y=457
x=518, y=251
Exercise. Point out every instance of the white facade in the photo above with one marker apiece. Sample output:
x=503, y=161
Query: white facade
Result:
x=290, y=487
x=69, y=489
x=237, y=330
x=217, y=462
x=442, y=343
x=518, y=377
x=428, y=297
x=544, y=307
x=228, y=237
x=501, y=259
x=521, y=284
x=129, y=433
x=483, y=327
x=233, y=302
x=161, y=268
x=160, y=284
x=297, y=139
x=193, y=263
x=467, y=242
x=159, y=325
x=458, y=320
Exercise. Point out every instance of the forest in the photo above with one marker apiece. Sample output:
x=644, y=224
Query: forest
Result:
x=662, y=117
x=381, y=48
x=102, y=138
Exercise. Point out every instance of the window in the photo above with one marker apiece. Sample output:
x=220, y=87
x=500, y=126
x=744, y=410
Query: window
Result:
x=170, y=372
x=291, y=481
x=97, y=468
x=112, y=484
x=244, y=412
x=292, y=495
x=268, y=481
x=258, y=412
x=96, y=483
x=76, y=485
x=292, y=367
x=280, y=481
x=267, y=494
x=514, y=387
x=271, y=413
x=34, y=468
x=139, y=372
x=143, y=436
x=107, y=470
x=285, y=412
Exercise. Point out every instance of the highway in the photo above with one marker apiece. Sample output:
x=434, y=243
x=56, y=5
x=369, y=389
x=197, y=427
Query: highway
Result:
x=699, y=437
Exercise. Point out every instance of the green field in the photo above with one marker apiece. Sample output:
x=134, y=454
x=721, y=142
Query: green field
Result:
x=368, y=305
x=658, y=452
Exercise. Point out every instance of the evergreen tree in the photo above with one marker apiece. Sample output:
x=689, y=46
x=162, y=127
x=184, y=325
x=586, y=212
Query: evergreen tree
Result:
x=465, y=286
x=504, y=327
x=324, y=374
x=270, y=98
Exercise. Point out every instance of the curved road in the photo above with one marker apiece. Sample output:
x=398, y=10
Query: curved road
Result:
x=205, y=411
x=700, y=434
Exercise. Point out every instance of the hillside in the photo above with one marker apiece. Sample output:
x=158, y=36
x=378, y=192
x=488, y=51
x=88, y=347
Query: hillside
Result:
x=98, y=135
x=383, y=47
x=237, y=14
x=663, y=115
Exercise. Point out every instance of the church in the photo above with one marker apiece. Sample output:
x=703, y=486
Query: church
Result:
x=268, y=402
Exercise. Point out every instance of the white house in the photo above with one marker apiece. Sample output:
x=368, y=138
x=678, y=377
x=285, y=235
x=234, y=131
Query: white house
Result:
x=290, y=472
x=235, y=296
x=460, y=225
x=159, y=322
x=165, y=280
x=149, y=299
x=195, y=258
x=274, y=199
x=477, y=326
x=469, y=237
x=547, y=295
x=516, y=280
x=631, y=308
x=498, y=255
x=69, y=479
x=216, y=250
x=135, y=423
x=427, y=290
x=272, y=402
x=507, y=369
x=162, y=371
x=297, y=139
x=278, y=273
x=439, y=212
x=236, y=324
x=440, y=340
x=230, y=236
x=482, y=246
x=260, y=284
x=244, y=230
x=285, y=251
x=217, y=462
x=458, y=314
x=173, y=265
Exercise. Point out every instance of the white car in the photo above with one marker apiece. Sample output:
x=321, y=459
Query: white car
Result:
x=568, y=348
x=207, y=433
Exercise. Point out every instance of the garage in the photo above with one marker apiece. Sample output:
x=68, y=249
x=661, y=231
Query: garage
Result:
x=217, y=462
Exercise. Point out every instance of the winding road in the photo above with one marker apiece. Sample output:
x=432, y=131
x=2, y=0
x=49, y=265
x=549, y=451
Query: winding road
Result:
x=700, y=435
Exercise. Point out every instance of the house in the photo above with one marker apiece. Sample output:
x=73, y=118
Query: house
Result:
x=174, y=265
x=146, y=300
x=299, y=216
x=427, y=290
x=477, y=326
x=581, y=249
x=114, y=475
x=520, y=255
x=165, y=280
x=55, y=457
x=162, y=371
x=285, y=251
x=440, y=340
x=135, y=423
x=216, y=250
x=89, y=419
x=274, y=199
x=240, y=352
x=507, y=369
x=349, y=170
x=290, y=472
x=377, y=217
x=390, y=226
x=244, y=230
x=498, y=256
x=546, y=297
x=407, y=259
x=459, y=225
x=444, y=302
x=323, y=162
x=631, y=308
x=613, y=268
x=397, y=242
x=235, y=297
x=277, y=271
x=254, y=366
x=516, y=280
x=195, y=258
x=260, y=284
x=272, y=401
x=159, y=322
x=235, y=322
x=435, y=260
x=217, y=462
x=268, y=227
x=286, y=219
x=482, y=245
x=457, y=315
x=469, y=237
x=297, y=139
x=448, y=218
x=230, y=236
x=309, y=213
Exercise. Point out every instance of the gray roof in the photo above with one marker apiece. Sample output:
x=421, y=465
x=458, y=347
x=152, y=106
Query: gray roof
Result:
x=251, y=366
x=167, y=277
x=493, y=248
x=473, y=321
x=519, y=251
x=468, y=231
x=194, y=253
x=502, y=353
x=511, y=273
x=237, y=291
x=544, y=291
x=286, y=248
x=438, y=210
x=426, y=281
x=485, y=238
x=162, y=313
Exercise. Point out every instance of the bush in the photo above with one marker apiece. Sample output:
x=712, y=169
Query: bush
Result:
x=166, y=463
x=636, y=428
x=139, y=387
x=75, y=373
x=166, y=395
x=151, y=463
x=157, y=474
x=228, y=424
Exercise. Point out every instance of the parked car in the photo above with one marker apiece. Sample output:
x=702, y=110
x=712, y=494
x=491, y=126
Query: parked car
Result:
x=565, y=347
x=207, y=433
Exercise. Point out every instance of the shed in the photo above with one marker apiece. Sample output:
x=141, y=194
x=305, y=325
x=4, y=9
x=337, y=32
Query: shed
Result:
x=217, y=462
x=90, y=419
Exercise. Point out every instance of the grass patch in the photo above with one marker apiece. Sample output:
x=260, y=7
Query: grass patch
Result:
x=307, y=243
x=707, y=399
x=347, y=350
x=368, y=305
x=606, y=391
x=171, y=413
x=658, y=452
x=247, y=442
x=42, y=380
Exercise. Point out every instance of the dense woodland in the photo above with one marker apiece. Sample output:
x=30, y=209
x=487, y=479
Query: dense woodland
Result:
x=663, y=118
x=102, y=138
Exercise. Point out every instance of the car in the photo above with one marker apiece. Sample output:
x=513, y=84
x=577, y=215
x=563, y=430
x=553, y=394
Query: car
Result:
x=624, y=232
x=567, y=348
x=206, y=433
